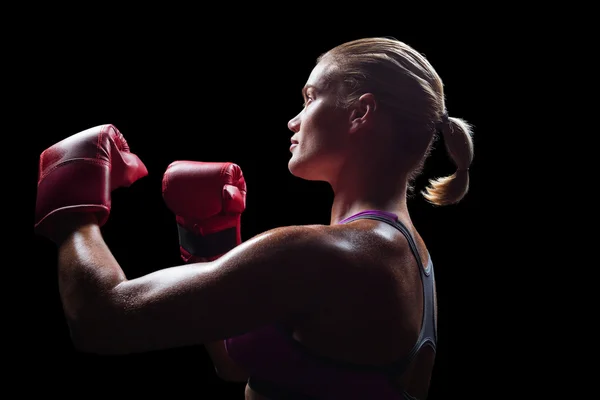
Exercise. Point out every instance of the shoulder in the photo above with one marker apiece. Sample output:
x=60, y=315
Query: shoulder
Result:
x=293, y=258
x=376, y=244
x=325, y=249
x=291, y=245
x=307, y=262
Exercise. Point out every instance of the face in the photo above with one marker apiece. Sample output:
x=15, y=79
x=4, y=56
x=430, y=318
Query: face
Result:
x=320, y=130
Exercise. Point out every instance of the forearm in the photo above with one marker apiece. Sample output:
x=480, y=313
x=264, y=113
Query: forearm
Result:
x=87, y=273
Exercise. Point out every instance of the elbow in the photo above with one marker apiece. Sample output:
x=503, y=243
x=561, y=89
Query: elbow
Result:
x=91, y=341
x=95, y=334
x=108, y=324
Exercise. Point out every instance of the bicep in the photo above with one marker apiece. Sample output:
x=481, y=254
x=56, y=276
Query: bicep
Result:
x=268, y=278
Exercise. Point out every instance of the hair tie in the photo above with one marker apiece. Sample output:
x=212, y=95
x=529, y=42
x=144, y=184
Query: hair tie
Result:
x=442, y=123
x=444, y=118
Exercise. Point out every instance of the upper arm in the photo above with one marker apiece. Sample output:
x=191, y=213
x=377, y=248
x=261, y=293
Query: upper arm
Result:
x=272, y=277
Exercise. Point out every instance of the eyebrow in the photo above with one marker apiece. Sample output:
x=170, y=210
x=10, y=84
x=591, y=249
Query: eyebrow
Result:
x=305, y=89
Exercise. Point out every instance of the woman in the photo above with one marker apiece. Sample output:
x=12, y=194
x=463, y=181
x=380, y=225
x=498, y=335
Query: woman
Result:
x=339, y=311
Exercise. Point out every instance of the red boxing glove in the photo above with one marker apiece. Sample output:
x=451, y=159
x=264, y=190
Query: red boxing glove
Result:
x=208, y=199
x=78, y=174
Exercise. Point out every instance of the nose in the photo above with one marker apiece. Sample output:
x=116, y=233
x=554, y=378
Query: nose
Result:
x=294, y=124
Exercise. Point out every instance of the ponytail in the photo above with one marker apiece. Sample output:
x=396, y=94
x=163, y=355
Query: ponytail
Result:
x=458, y=138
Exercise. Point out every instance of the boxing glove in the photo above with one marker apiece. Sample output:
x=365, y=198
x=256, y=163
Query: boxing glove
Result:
x=78, y=174
x=207, y=199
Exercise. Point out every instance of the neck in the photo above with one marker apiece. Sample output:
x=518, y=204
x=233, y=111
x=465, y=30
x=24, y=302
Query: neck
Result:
x=359, y=188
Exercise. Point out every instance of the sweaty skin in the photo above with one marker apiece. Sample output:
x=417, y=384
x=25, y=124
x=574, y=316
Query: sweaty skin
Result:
x=350, y=292
x=359, y=310
x=346, y=305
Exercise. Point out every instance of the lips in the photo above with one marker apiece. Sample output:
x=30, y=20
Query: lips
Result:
x=294, y=144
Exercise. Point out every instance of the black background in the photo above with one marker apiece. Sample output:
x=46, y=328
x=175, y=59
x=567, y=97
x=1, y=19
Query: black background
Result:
x=208, y=96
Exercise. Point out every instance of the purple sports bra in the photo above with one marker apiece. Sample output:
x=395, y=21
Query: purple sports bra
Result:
x=280, y=367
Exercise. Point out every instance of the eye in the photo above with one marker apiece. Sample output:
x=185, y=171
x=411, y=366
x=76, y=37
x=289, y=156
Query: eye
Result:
x=308, y=100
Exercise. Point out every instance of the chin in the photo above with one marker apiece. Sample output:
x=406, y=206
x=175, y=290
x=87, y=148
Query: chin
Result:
x=298, y=169
x=304, y=170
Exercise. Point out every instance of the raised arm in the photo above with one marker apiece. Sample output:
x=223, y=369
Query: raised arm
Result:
x=275, y=276
x=272, y=277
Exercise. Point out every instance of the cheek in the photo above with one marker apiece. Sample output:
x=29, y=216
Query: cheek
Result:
x=321, y=128
x=326, y=136
x=317, y=127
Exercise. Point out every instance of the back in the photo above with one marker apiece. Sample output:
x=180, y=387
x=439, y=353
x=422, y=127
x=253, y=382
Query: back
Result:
x=354, y=346
x=404, y=346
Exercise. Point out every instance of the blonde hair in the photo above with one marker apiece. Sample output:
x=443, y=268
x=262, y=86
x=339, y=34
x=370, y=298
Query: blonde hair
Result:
x=404, y=82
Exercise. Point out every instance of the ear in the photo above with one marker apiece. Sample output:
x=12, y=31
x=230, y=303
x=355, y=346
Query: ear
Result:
x=362, y=112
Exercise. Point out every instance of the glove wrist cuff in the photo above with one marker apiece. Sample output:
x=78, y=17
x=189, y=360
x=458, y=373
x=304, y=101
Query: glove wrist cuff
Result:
x=210, y=245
